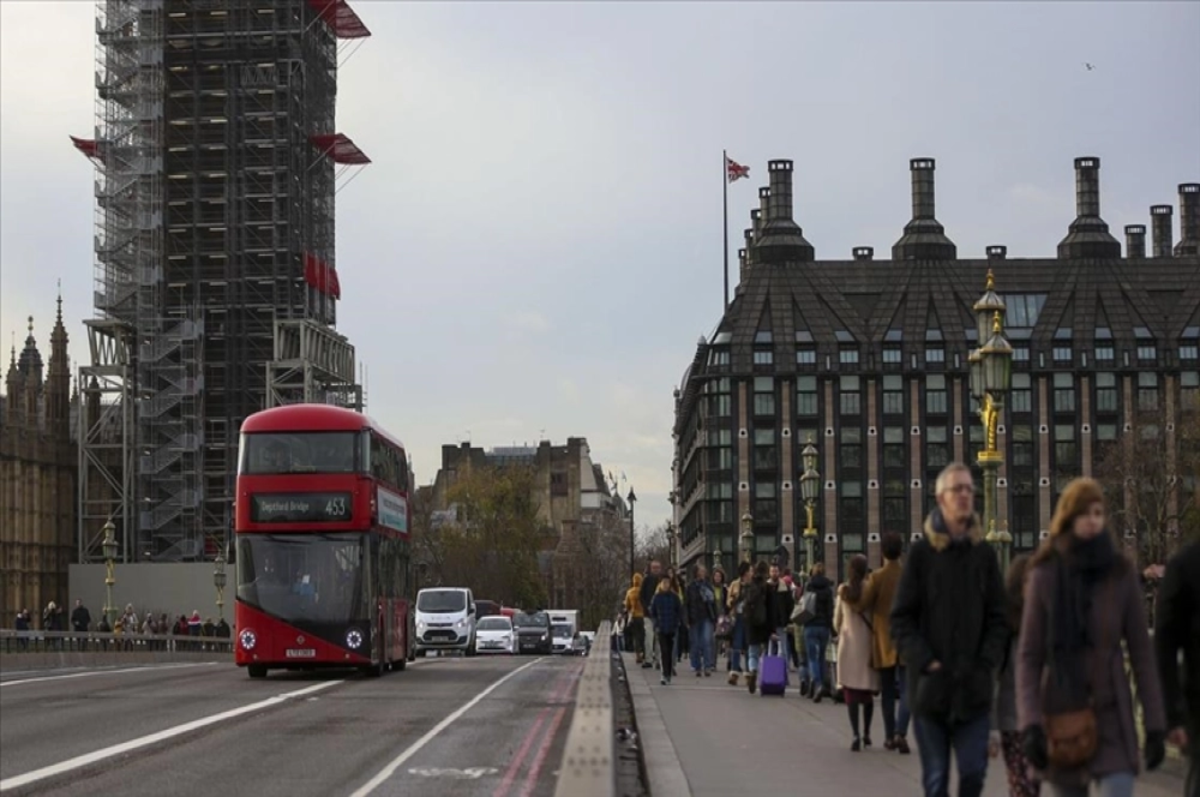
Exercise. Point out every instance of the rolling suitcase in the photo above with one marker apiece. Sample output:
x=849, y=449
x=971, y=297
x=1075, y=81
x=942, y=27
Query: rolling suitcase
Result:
x=773, y=675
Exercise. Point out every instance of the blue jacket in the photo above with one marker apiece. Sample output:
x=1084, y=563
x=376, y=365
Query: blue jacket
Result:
x=667, y=611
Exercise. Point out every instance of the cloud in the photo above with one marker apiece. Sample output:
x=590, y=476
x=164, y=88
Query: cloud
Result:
x=528, y=321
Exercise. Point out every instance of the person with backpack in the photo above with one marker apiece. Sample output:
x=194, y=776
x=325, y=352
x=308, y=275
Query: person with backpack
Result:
x=758, y=622
x=817, y=618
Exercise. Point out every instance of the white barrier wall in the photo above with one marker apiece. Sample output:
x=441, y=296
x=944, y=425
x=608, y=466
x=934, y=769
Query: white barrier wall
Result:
x=173, y=588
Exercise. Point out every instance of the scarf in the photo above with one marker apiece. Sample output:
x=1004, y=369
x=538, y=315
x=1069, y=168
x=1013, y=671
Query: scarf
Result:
x=1082, y=568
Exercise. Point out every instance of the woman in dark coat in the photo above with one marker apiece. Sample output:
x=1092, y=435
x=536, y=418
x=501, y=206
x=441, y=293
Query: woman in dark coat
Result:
x=1082, y=600
x=757, y=613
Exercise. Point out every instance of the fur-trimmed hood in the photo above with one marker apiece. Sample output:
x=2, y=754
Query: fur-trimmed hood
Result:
x=940, y=540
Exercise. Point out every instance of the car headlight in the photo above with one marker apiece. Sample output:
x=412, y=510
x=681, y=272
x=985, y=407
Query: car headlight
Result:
x=248, y=639
x=420, y=626
x=354, y=639
x=545, y=637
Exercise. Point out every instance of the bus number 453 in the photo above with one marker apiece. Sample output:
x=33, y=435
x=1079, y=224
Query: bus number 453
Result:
x=335, y=507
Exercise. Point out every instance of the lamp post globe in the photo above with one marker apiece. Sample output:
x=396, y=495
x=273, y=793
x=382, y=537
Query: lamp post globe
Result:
x=747, y=537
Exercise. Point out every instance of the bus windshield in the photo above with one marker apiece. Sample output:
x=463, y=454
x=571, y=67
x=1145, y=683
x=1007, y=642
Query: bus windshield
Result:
x=300, y=452
x=315, y=578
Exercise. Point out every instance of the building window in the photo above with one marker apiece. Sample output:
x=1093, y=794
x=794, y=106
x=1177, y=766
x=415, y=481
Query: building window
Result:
x=1021, y=394
x=763, y=336
x=764, y=395
x=892, y=355
x=765, y=457
x=1106, y=392
x=1064, y=393
x=848, y=356
x=1022, y=446
x=934, y=355
x=558, y=484
x=1147, y=352
x=893, y=394
x=849, y=396
x=718, y=358
x=806, y=356
x=765, y=503
x=894, y=449
x=720, y=459
x=764, y=357
x=935, y=394
x=1021, y=354
x=720, y=512
x=1022, y=310
x=895, y=514
x=850, y=452
x=1066, y=452
x=937, y=448
x=1189, y=390
x=1105, y=352
x=1025, y=522
x=1062, y=354
x=1106, y=432
x=806, y=396
x=720, y=437
x=1147, y=395
x=1189, y=351
x=719, y=406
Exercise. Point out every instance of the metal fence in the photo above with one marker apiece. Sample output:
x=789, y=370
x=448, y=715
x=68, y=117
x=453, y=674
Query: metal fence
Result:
x=18, y=642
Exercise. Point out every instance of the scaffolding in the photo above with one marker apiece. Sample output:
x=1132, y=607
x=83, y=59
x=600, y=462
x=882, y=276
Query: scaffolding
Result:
x=312, y=365
x=218, y=164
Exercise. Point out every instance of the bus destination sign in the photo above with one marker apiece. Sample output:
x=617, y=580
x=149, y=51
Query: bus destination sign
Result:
x=301, y=508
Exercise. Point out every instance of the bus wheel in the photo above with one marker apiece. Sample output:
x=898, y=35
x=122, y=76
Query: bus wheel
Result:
x=399, y=665
x=257, y=670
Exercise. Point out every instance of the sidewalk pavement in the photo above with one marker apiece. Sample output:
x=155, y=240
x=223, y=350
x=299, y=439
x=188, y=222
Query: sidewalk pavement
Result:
x=703, y=737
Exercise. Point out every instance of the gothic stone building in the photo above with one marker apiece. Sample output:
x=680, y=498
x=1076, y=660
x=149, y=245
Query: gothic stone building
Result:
x=869, y=358
x=37, y=479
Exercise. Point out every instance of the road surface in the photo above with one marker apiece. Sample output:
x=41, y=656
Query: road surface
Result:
x=446, y=726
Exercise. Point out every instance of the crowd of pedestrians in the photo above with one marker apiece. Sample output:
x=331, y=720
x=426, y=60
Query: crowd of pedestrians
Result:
x=1049, y=668
x=152, y=631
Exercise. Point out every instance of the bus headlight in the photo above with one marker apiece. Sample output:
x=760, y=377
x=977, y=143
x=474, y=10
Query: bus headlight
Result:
x=248, y=639
x=354, y=638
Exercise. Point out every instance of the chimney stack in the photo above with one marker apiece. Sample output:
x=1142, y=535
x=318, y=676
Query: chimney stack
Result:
x=1088, y=235
x=748, y=235
x=1189, y=220
x=1160, y=229
x=741, y=267
x=1135, y=241
x=781, y=239
x=997, y=252
x=864, y=253
x=924, y=237
x=757, y=219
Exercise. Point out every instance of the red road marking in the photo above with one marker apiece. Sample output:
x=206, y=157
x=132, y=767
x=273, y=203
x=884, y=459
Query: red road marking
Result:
x=559, y=691
x=543, y=749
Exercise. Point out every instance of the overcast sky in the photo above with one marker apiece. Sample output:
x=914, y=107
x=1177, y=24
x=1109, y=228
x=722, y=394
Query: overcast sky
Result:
x=536, y=248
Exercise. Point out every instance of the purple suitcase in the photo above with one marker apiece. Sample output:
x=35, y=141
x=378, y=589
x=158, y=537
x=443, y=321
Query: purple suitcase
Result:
x=773, y=675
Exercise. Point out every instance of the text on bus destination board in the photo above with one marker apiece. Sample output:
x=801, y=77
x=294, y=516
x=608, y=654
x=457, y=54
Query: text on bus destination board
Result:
x=301, y=507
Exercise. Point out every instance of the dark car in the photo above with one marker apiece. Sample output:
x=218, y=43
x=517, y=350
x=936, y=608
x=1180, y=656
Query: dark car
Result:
x=533, y=633
x=486, y=608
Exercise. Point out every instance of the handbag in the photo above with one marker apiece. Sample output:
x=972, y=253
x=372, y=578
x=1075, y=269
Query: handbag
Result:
x=806, y=609
x=724, y=627
x=1072, y=737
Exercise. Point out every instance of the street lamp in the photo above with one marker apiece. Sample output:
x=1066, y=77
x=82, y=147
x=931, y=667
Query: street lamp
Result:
x=110, y=578
x=219, y=583
x=810, y=487
x=632, y=499
x=747, y=536
x=673, y=536
x=991, y=376
x=716, y=559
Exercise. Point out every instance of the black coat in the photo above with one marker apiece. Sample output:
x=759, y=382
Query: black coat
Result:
x=757, y=594
x=950, y=608
x=1178, y=629
x=822, y=587
x=781, y=605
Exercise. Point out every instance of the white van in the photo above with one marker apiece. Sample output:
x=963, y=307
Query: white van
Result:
x=445, y=620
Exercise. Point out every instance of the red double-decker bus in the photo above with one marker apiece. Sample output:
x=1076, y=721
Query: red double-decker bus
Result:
x=322, y=523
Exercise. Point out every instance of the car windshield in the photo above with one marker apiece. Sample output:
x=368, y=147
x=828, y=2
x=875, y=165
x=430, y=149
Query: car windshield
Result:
x=494, y=624
x=299, y=452
x=306, y=577
x=534, y=620
x=441, y=601
x=562, y=632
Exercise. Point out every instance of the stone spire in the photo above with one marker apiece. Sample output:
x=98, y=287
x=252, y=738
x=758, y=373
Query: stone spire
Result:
x=13, y=388
x=30, y=363
x=58, y=384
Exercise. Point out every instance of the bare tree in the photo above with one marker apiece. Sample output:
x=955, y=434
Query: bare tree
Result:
x=603, y=575
x=1150, y=473
x=654, y=543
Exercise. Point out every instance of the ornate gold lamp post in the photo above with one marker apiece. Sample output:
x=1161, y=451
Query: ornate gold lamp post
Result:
x=991, y=377
x=110, y=565
x=810, y=487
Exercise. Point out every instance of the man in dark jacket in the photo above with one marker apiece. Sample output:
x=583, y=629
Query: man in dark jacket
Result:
x=649, y=587
x=1178, y=631
x=817, y=630
x=948, y=622
x=700, y=613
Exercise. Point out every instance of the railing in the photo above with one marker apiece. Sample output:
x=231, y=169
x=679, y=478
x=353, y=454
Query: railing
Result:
x=19, y=642
x=589, y=762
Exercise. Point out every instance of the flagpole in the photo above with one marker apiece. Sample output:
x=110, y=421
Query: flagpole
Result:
x=725, y=218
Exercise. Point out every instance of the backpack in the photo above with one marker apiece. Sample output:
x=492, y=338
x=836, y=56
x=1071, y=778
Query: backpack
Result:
x=756, y=605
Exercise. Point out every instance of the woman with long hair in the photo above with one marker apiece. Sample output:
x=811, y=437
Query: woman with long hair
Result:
x=858, y=680
x=1074, y=701
x=1022, y=780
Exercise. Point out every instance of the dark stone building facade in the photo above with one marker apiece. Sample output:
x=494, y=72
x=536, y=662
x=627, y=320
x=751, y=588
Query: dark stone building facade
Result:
x=38, y=465
x=869, y=359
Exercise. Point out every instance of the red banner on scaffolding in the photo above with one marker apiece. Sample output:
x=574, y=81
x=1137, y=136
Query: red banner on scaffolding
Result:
x=321, y=276
x=87, y=146
x=340, y=18
x=339, y=148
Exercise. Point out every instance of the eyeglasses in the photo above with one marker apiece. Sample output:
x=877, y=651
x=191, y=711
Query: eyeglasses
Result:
x=961, y=488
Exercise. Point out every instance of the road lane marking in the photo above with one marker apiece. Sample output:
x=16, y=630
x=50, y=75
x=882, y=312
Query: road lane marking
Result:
x=560, y=689
x=154, y=738
x=148, y=668
x=547, y=742
x=385, y=773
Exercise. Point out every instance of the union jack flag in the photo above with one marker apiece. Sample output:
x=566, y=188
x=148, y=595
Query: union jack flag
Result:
x=734, y=170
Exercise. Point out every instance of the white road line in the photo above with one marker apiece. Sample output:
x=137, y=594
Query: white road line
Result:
x=148, y=668
x=154, y=738
x=397, y=762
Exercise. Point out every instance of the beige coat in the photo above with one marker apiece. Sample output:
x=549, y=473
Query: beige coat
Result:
x=854, y=645
x=878, y=596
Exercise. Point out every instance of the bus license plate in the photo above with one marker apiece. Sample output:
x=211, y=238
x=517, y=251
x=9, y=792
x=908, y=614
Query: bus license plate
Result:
x=301, y=653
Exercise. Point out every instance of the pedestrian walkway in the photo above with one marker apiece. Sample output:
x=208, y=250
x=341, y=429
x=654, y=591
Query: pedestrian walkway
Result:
x=703, y=737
